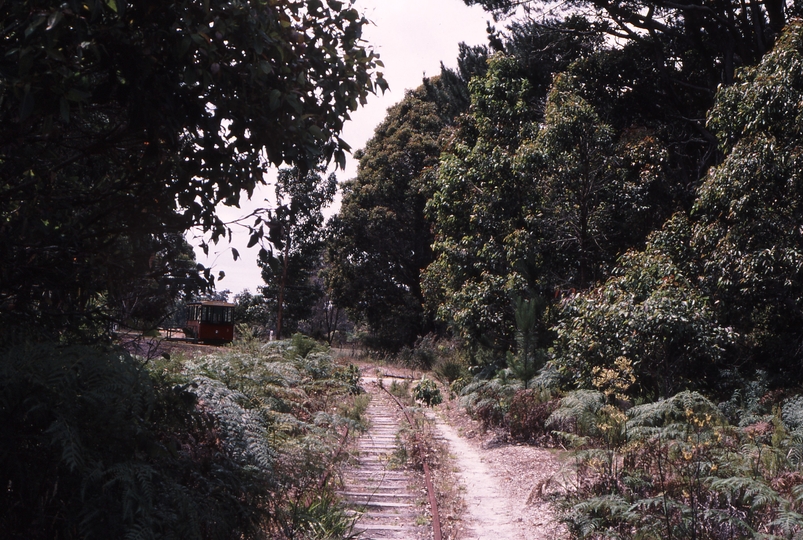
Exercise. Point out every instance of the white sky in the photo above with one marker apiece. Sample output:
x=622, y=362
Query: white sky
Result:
x=412, y=38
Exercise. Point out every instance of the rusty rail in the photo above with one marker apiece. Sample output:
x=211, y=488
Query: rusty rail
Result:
x=433, y=503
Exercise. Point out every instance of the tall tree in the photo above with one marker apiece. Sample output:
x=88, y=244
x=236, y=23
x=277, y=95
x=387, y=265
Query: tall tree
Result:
x=539, y=192
x=594, y=188
x=749, y=213
x=380, y=240
x=720, y=289
x=479, y=206
x=710, y=39
x=297, y=235
x=669, y=61
x=153, y=278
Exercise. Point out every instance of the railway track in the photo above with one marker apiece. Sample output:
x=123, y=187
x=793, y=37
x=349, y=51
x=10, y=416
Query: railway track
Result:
x=384, y=497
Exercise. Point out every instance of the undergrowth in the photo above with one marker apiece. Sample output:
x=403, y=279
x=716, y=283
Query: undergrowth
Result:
x=506, y=403
x=677, y=468
x=96, y=443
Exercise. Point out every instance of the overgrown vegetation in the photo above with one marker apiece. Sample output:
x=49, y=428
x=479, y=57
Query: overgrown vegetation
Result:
x=243, y=443
x=676, y=468
x=615, y=234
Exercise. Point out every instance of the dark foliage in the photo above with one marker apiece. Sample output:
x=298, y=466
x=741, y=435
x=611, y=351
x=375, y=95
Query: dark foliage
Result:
x=527, y=415
x=91, y=448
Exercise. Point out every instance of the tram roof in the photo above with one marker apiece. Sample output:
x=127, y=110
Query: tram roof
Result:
x=212, y=303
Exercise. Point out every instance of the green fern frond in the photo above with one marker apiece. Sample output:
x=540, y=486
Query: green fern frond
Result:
x=579, y=408
x=673, y=417
x=594, y=517
x=572, y=440
x=752, y=492
x=792, y=413
x=790, y=523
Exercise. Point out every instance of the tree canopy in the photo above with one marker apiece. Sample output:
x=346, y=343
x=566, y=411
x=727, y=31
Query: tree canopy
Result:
x=120, y=121
x=380, y=241
x=297, y=234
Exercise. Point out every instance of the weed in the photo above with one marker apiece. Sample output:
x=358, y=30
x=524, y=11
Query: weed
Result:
x=354, y=408
x=400, y=389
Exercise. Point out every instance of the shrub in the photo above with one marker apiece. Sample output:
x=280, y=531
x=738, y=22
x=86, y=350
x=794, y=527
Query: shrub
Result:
x=400, y=389
x=302, y=345
x=350, y=375
x=422, y=355
x=684, y=472
x=91, y=447
x=427, y=392
x=92, y=444
x=488, y=400
x=450, y=367
x=528, y=413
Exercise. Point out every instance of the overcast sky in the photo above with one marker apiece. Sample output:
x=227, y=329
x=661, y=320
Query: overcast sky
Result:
x=412, y=38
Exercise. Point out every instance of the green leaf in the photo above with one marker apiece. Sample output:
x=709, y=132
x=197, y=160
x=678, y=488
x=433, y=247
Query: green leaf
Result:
x=317, y=133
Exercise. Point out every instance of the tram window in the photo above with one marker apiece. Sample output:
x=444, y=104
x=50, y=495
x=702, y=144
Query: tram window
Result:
x=211, y=314
x=217, y=314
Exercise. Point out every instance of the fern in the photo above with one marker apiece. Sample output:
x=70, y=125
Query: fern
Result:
x=218, y=447
x=789, y=522
x=792, y=413
x=750, y=492
x=599, y=516
x=671, y=418
x=578, y=410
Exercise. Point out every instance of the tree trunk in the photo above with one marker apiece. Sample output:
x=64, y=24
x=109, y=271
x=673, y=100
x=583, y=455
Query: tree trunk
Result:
x=282, y=284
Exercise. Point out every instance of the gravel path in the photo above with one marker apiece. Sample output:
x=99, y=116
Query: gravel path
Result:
x=489, y=514
x=506, y=485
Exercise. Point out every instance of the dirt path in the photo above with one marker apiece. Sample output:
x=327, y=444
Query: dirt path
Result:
x=505, y=485
x=489, y=514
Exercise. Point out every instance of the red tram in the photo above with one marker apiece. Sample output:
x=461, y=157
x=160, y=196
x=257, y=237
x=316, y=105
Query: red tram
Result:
x=210, y=321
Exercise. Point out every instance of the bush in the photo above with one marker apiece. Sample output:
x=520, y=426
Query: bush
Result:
x=427, y=392
x=400, y=389
x=91, y=447
x=303, y=345
x=684, y=472
x=528, y=413
x=450, y=367
x=422, y=355
x=488, y=400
